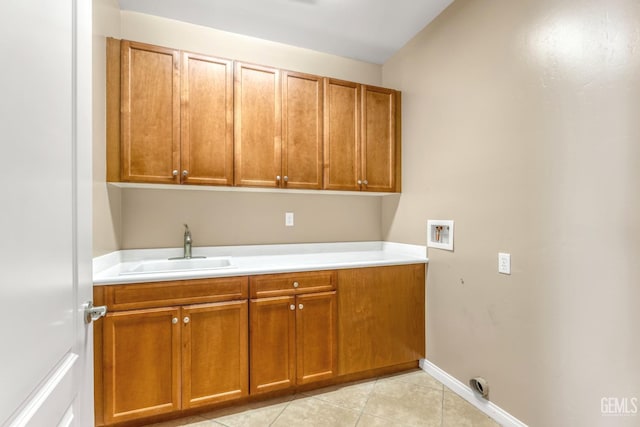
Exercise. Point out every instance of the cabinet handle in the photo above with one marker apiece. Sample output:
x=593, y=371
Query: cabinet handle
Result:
x=174, y=320
x=175, y=172
x=296, y=284
x=186, y=320
x=359, y=182
x=300, y=306
x=185, y=172
x=292, y=307
x=365, y=182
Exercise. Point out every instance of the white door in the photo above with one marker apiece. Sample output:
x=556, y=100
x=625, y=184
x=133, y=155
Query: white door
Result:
x=45, y=215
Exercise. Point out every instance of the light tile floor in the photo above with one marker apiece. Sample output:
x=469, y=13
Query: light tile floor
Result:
x=411, y=398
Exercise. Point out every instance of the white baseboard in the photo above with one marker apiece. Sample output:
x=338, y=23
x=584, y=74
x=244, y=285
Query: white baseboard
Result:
x=501, y=416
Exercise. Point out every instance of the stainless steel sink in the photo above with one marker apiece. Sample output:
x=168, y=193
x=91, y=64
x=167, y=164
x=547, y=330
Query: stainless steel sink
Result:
x=175, y=265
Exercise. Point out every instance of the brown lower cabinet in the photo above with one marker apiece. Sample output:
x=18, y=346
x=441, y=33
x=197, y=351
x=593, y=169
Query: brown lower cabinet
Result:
x=169, y=348
x=293, y=340
x=382, y=317
x=155, y=361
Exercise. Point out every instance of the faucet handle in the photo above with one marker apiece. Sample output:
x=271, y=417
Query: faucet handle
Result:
x=186, y=228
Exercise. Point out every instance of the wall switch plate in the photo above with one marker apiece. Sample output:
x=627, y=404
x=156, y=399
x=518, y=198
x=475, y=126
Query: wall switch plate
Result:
x=504, y=263
x=288, y=219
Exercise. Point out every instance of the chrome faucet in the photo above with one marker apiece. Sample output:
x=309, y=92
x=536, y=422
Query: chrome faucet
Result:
x=187, y=245
x=187, y=242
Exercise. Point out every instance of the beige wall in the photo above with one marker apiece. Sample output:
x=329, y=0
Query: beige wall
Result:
x=106, y=200
x=145, y=219
x=181, y=35
x=520, y=122
x=154, y=218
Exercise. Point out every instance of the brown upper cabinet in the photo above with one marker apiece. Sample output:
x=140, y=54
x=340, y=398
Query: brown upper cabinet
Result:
x=378, y=148
x=360, y=148
x=258, y=129
x=207, y=120
x=278, y=118
x=341, y=135
x=176, y=116
x=302, y=117
x=150, y=106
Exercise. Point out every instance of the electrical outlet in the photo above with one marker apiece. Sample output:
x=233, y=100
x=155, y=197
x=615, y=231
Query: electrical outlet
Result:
x=504, y=263
x=288, y=219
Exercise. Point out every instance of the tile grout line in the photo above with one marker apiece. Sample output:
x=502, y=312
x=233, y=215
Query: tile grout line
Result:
x=366, y=401
x=283, y=409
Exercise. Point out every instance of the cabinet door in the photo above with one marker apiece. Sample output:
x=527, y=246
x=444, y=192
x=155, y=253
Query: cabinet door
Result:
x=316, y=340
x=207, y=120
x=215, y=357
x=272, y=336
x=141, y=362
x=341, y=135
x=378, y=138
x=257, y=136
x=302, y=131
x=381, y=313
x=150, y=113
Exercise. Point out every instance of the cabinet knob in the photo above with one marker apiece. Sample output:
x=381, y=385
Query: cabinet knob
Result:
x=359, y=182
x=175, y=172
x=186, y=320
x=365, y=182
x=300, y=306
x=292, y=307
x=174, y=320
x=286, y=178
x=278, y=178
x=185, y=172
x=296, y=284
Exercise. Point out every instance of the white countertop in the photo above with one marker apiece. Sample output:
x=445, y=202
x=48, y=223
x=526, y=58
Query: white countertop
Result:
x=258, y=259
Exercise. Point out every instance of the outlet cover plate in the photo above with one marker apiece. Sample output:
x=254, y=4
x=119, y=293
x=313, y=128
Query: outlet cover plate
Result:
x=504, y=263
x=288, y=219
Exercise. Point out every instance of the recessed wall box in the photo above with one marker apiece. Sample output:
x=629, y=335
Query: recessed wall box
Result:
x=440, y=234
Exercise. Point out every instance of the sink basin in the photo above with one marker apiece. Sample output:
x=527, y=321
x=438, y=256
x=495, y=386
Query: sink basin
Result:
x=175, y=265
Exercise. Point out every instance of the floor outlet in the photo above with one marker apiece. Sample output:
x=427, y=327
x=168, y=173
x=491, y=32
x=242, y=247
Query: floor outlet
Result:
x=288, y=219
x=504, y=263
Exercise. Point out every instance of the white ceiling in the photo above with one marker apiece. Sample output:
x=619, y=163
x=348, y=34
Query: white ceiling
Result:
x=368, y=30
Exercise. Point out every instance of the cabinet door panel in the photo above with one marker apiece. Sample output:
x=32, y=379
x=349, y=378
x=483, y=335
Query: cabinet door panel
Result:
x=141, y=362
x=257, y=138
x=207, y=120
x=150, y=113
x=381, y=313
x=316, y=342
x=272, y=336
x=378, y=138
x=302, y=130
x=341, y=135
x=215, y=353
